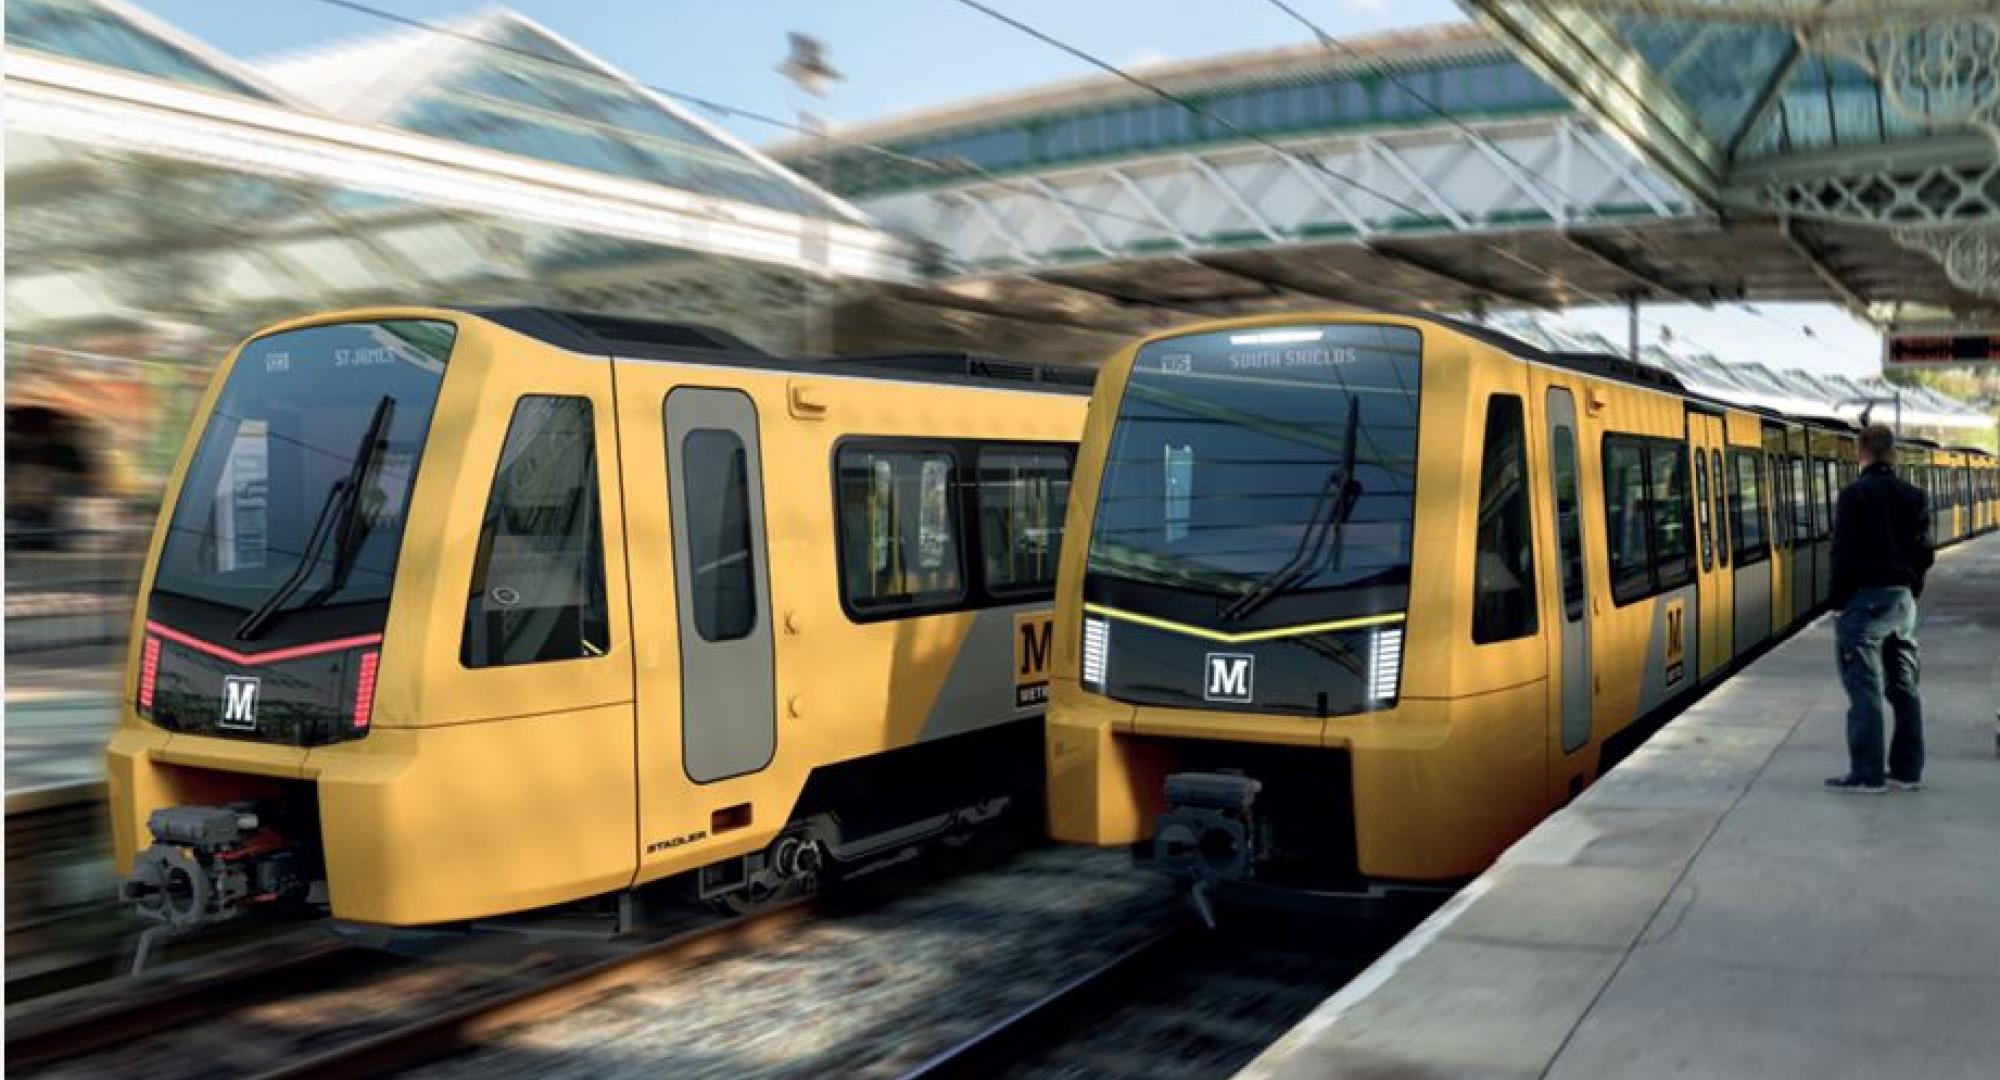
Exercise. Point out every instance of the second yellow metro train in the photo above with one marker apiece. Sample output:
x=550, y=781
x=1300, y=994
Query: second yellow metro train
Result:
x=1356, y=599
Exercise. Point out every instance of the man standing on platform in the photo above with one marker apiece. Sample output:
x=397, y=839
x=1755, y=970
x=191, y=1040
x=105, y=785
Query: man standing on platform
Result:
x=1881, y=549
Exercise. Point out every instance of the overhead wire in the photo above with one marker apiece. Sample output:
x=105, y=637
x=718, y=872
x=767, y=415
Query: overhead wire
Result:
x=1309, y=160
x=961, y=168
x=1332, y=44
x=958, y=168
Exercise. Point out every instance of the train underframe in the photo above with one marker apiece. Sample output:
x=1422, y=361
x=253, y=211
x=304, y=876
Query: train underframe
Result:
x=260, y=853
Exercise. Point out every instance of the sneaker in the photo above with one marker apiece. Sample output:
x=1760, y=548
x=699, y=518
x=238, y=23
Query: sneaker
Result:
x=1905, y=785
x=1854, y=785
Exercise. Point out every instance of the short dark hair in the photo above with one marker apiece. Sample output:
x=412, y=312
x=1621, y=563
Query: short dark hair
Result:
x=1878, y=442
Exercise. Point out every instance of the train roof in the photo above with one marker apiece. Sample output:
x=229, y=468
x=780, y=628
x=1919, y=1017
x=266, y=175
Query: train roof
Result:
x=629, y=338
x=1619, y=369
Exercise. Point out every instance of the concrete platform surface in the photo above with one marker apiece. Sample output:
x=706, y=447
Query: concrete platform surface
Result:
x=1707, y=910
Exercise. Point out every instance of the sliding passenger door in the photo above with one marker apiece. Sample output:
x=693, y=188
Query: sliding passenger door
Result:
x=1573, y=688
x=1778, y=484
x=716, y=499
x=1715, y=588
x=693, y=471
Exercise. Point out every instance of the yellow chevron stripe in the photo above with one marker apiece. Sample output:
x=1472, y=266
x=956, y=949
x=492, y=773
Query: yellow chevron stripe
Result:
x=1272, y=634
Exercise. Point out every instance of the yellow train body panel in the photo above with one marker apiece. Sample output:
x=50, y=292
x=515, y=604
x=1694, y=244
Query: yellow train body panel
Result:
x=1476, y=739
x=483, y=788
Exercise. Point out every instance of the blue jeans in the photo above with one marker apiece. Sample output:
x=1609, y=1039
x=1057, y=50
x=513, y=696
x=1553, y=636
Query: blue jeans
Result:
x=1877, y=639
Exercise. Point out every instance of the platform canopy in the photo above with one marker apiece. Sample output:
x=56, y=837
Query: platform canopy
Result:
x=1451, y=168
x=1828, y=114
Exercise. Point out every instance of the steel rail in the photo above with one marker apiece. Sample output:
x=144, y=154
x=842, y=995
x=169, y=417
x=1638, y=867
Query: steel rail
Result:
x=1028, y=1030
x=171, y=1003
x=475, y=1023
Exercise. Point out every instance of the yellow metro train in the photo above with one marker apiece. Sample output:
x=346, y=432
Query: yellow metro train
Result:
x=1354, y=600
x=452, y=615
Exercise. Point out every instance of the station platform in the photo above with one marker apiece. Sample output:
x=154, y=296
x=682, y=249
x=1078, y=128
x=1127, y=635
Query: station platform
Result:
x=1708, y=910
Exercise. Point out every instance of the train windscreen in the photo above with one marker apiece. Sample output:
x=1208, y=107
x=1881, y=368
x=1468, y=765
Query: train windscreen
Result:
x=1260, y=480
x=284, y=538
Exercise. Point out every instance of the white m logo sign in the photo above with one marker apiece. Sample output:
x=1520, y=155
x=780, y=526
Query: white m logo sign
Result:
x=1228, y=677
x=239, y=702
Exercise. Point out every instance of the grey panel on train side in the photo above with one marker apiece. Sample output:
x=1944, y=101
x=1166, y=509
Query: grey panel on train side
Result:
x=728, y=683
x=1657, y=683
x=981, y=690
x=1753, y=605
x=1803, y=558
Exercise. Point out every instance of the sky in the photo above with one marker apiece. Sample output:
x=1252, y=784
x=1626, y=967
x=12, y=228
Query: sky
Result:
x=899, y=55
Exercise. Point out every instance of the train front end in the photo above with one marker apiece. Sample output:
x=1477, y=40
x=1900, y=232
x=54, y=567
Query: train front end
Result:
x=260, y=632
x=1252, y=679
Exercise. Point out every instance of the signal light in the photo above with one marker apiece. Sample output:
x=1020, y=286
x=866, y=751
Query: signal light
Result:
x=364, y=690
x=149, y=672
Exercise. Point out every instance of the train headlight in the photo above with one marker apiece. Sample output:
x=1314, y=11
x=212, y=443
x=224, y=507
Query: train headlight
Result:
x=1096, y=651
x=1385, y=663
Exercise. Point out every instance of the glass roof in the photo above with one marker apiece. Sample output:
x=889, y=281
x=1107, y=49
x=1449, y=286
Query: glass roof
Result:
x=1719, y=71
x=554, y=105
x=96, y=34
x=1828, y=103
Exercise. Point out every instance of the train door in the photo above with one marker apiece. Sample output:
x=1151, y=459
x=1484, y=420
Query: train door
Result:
x=1777, y=485
x=707, y=716
x=1805, y=542
x=1573, y=692
x=729, y=718
x=1713, y=591
x=1750, y=543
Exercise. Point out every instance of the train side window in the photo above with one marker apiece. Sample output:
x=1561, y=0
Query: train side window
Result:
x=1701, y=511
x=1673, y=554
x=1721, y=509
x=716, y=473
x=1746, y=506
x=1022, y=494
x=1829, y=494
x=1569, y=522
x=899, y=537
x=1626, y=528
x=538, y=575
x=1503, y=577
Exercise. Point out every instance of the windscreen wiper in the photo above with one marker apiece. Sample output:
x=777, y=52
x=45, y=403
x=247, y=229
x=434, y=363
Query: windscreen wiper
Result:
x=1325, y=528
x=336, y=516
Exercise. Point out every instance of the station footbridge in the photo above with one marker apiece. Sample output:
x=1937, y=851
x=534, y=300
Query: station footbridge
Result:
x=1552, y=153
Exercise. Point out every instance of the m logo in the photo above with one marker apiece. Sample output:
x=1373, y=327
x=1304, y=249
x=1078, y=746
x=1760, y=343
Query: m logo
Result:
x=1229, y=677
x=1032, y=634
x=239, y=702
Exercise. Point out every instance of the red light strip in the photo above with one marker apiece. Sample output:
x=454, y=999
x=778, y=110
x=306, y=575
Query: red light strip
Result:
x=149, y=672
x=272, y=657
x=364, y=689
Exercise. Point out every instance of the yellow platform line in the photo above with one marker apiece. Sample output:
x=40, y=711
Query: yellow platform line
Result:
x=1247, y=637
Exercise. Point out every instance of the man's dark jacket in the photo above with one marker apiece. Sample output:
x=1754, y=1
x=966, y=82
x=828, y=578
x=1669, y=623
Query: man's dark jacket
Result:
x=1881, y=535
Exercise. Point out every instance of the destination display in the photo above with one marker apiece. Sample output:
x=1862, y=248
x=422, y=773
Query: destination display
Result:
x=1913, y=350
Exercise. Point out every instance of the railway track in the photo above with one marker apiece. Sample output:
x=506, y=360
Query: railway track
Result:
x=338, y=1010
x=153, y=1006
x=1183, y=1004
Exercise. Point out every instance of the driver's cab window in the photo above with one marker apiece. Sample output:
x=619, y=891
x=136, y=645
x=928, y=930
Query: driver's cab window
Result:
x=538, y=575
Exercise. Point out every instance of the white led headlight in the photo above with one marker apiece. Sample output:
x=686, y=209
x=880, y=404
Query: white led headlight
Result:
x=1385, y=663
x=1096, y=647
